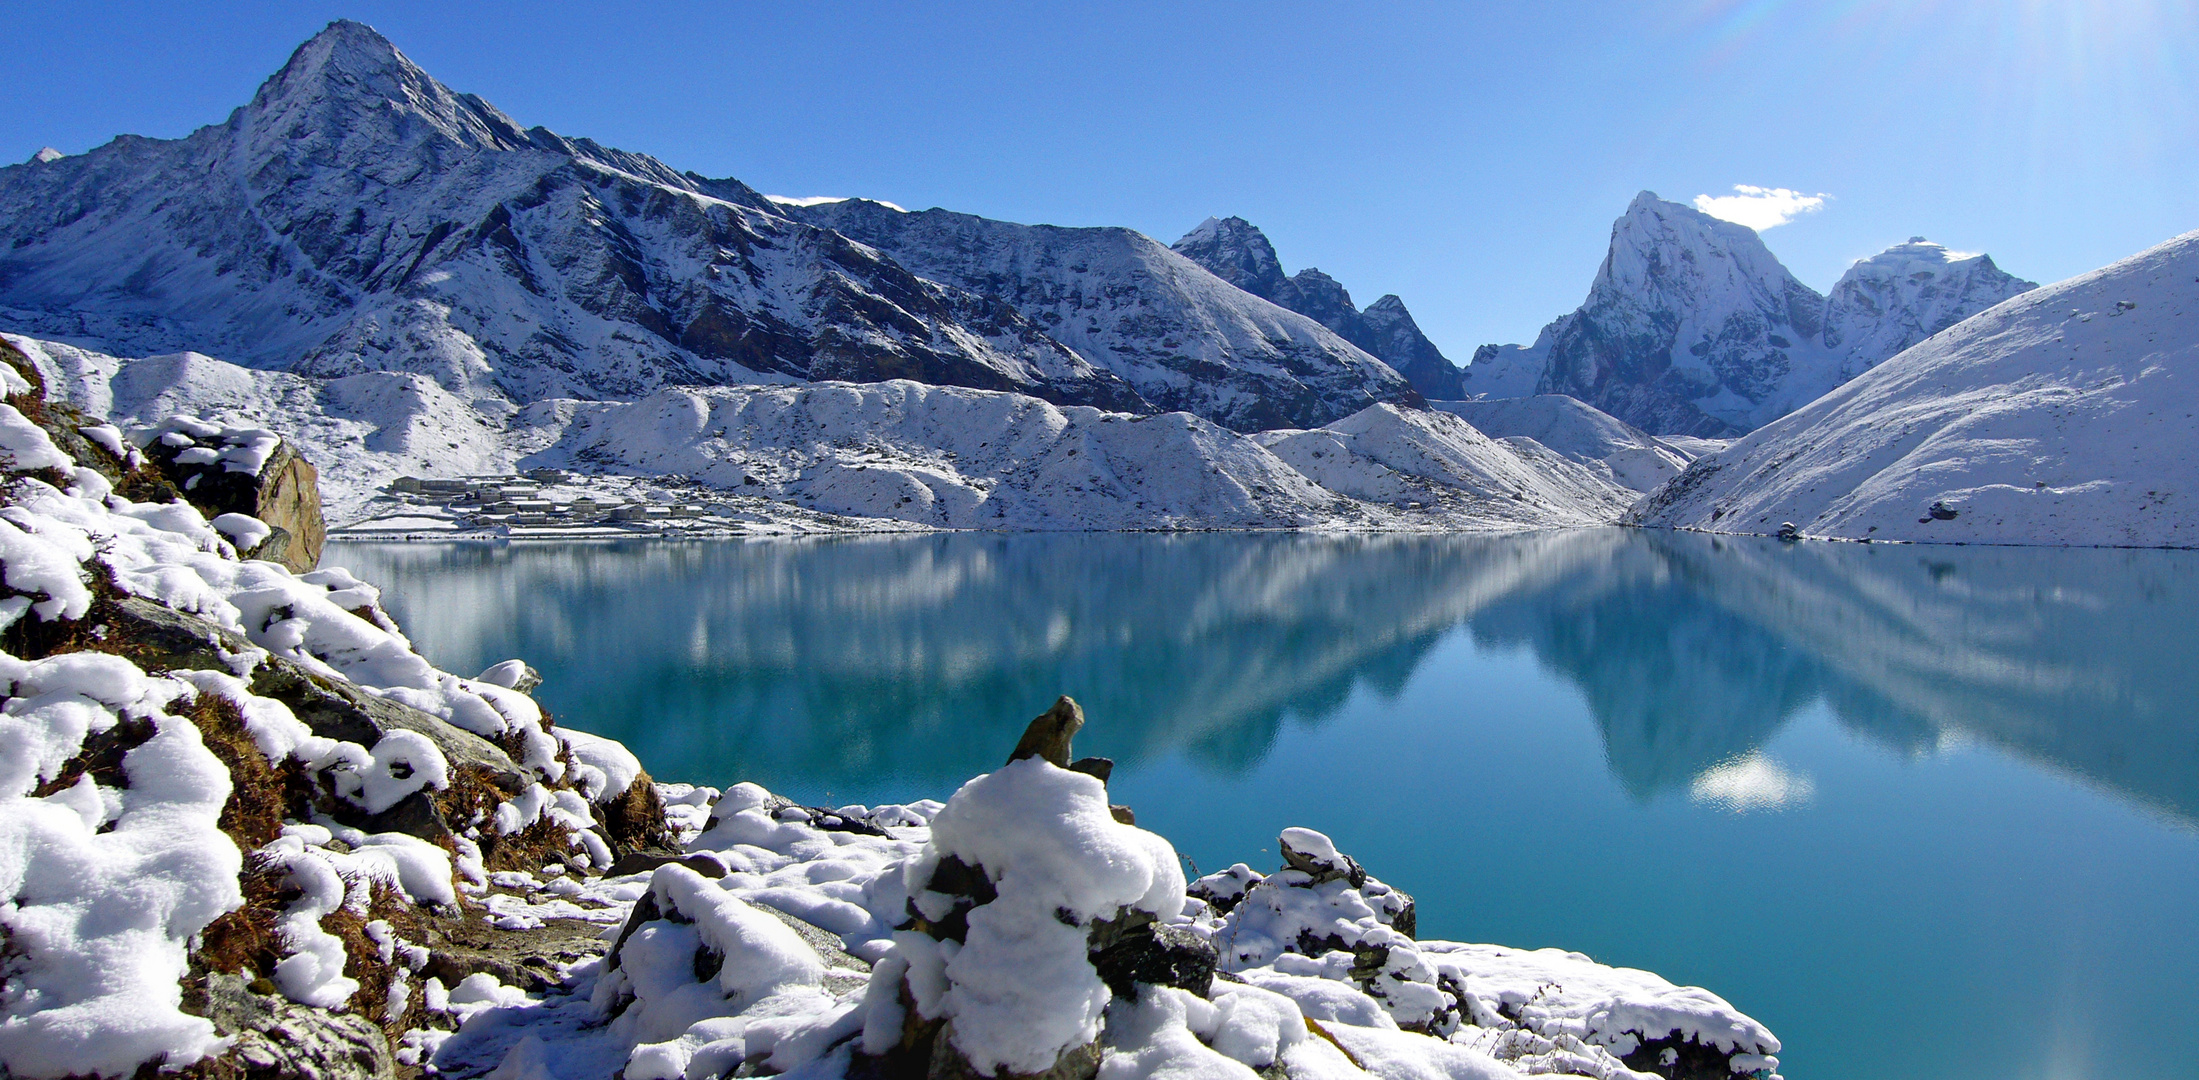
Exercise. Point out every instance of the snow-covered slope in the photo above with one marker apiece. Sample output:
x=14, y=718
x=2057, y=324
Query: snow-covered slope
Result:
x=359, y=216
x=1609, y=446
x=1239, y=253
x=898, y=451
x=1692, y=327
x=359, y=430
x=1181, y=337
x=2064, y=416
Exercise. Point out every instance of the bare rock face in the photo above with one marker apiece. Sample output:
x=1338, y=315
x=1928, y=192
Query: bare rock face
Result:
x=290, y=503
x=248, y=471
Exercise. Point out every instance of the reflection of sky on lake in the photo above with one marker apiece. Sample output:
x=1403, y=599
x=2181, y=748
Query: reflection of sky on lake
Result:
x=1947, y=794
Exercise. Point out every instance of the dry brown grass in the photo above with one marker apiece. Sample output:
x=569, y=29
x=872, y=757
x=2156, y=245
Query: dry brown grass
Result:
x=635, y=819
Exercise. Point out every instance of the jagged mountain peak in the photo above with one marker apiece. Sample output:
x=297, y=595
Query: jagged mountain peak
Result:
x=46, y=154
x=1659, y=247
x=1917, y=255
x=1236, y=251
x=346, y=59
x=348, y=83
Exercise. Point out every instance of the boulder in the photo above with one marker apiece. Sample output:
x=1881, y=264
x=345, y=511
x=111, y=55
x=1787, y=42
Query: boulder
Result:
x=341, y=710
x=226, y=470
x=159, y=638
x=1131, y=951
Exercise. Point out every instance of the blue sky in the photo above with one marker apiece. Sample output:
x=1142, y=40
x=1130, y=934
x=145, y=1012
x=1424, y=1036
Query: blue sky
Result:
x=1467, y=156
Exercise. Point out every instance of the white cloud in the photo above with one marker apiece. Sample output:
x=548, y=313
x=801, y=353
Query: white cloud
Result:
x=1760, y=208
x=1751, y=782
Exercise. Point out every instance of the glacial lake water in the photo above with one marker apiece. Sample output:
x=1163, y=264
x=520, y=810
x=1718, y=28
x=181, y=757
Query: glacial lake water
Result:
x=1927, y=812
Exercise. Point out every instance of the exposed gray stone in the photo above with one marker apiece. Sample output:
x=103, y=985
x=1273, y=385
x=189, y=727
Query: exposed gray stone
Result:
x=277, y=1039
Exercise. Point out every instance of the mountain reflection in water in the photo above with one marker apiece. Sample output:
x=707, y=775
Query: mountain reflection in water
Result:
x=895, y=668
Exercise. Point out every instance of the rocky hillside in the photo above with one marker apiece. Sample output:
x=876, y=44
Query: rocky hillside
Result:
x=2063, y=416
x=1181, y=337
x=245, y=830
x=1238, y=253
x=1692, y=327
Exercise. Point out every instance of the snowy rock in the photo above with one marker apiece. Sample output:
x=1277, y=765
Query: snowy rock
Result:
x=1028, y=887
x=1692, y=327
x=247, y=475
x=2059, y=417
x=1338, y=944
x=512, y=674
x=105, y=883
x=274, y=1037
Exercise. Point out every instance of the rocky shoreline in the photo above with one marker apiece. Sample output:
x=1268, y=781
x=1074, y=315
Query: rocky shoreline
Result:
x=247, y=831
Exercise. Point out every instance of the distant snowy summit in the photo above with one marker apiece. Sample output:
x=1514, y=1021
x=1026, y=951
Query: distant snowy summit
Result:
x=1236, y=251
x=358, y=216
x=1692, y=326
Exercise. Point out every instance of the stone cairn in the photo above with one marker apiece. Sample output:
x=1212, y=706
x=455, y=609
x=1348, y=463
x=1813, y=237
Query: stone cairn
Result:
x=1126, y=950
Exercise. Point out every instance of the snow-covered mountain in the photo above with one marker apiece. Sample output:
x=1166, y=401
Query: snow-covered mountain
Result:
x=358, y=216
x=1181, y=337
x=1238, y=252
x=2063, y=416
x=1692, y=326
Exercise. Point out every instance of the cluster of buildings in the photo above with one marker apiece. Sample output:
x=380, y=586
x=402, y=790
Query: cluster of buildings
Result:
x=526, y=499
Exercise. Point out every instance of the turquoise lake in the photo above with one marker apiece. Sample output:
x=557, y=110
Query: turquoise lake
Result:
x=1926, y=812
